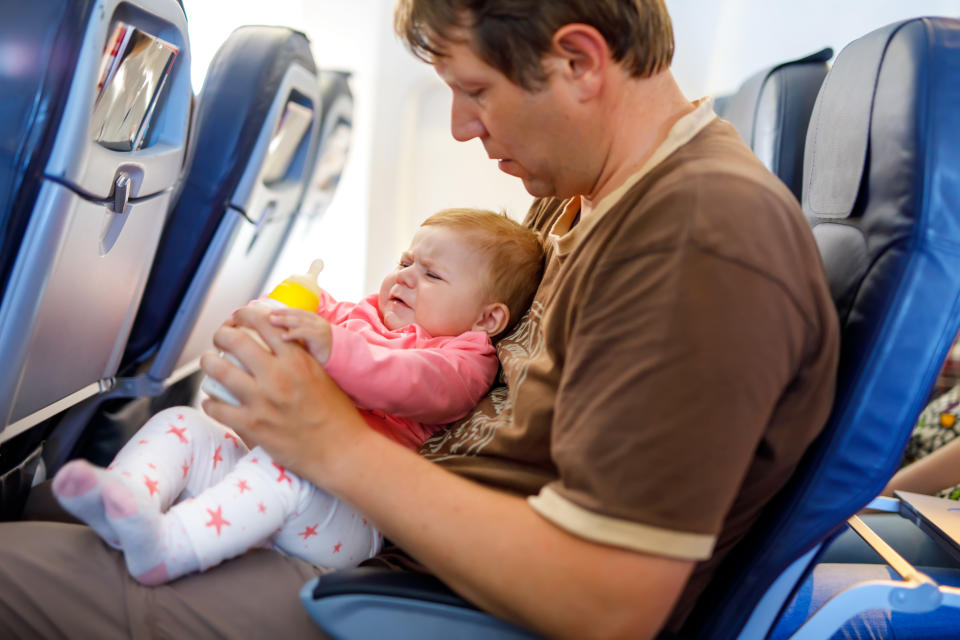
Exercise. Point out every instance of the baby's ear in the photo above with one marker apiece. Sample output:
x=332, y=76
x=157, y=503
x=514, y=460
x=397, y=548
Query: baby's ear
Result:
x=493, y=319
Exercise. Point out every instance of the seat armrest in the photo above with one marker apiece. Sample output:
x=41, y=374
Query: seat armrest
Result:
x=381, y=603
x=386, y=582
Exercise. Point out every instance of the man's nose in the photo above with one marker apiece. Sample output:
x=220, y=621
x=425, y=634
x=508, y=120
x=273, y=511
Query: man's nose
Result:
x=464, y=123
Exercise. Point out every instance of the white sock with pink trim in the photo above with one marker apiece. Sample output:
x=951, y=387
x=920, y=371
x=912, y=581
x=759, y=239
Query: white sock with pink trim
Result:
x=77, y=487
x=155, y=546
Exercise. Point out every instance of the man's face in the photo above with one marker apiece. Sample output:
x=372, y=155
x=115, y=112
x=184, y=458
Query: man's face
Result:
x=534, y=135
x=438, y=284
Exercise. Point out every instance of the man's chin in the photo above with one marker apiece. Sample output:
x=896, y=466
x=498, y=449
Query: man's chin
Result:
x=538, y=188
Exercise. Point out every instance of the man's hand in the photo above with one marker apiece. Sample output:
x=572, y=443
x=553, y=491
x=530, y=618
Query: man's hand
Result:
x=306, y=327
x=288, y=403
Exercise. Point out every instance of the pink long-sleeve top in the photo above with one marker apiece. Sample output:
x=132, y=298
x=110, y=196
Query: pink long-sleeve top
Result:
x=406, y=383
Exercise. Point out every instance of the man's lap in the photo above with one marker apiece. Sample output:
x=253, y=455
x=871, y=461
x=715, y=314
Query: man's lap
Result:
x=60, y=580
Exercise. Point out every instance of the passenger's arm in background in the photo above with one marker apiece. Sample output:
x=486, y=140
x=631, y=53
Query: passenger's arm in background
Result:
x=930, y=474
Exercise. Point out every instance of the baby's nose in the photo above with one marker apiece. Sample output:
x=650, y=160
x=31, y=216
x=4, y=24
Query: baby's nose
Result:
x=406, y=276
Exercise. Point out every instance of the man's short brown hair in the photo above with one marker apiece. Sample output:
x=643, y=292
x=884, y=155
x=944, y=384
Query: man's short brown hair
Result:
x=513, y=35
x=514, y=254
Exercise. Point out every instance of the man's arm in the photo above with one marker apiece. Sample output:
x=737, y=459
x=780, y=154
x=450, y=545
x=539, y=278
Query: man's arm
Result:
x=491, y=548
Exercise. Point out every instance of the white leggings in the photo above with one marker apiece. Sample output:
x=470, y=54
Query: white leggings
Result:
x=232, y=499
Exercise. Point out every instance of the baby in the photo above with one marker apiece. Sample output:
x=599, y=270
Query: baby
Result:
x=413, y=357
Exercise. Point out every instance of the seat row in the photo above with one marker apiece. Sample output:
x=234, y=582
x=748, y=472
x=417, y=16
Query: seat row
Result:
x=134, y=215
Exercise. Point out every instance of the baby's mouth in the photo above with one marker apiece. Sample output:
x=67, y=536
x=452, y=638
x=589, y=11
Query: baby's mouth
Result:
x=399, y=301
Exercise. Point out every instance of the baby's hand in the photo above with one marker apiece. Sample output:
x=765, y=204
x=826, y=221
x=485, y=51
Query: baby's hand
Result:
x=307, y=327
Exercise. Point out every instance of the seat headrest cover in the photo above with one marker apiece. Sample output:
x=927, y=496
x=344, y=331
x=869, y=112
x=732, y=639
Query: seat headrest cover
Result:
x=741, y=109
x=836, y=148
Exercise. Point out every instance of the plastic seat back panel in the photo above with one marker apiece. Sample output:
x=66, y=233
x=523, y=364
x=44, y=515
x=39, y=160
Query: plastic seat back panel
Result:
x=80, y=267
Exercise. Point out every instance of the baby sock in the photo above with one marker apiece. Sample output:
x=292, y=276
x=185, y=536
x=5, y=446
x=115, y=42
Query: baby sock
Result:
x=155, y=545
x=179, y=450
x=77, y=487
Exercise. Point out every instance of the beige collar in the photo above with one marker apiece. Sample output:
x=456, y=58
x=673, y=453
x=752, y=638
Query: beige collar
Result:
x=680, y=134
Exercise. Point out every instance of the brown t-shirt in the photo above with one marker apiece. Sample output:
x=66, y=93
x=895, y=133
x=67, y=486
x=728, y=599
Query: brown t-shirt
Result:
x=678, y=358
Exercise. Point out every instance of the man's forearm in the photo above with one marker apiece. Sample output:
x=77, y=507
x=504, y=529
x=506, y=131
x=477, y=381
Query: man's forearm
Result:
x=493, y=549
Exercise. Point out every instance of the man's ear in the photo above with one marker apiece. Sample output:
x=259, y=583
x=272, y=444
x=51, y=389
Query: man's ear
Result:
x=493, y=319
x=584, y=54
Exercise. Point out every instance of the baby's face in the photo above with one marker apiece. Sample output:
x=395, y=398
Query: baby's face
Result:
x=438, y=284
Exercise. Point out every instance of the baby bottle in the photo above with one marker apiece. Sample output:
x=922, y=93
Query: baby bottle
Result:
x=298, y=291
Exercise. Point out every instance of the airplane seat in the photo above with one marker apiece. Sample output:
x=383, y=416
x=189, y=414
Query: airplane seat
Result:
x=93, y=128
x=336, y=134
x=335, y=124
x=880, y=189
x=255, y=133
x=771, y=111
x=882, y=192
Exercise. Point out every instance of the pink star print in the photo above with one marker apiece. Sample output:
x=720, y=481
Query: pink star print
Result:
x=216, y=519
x=283, y=474
x=309, y=531
x=216, y=457
x=152, y=485
x=261, y=508
x=186, y=467
x=230, y=436
x=179, y=433
x=336, y=547
x=243, y=486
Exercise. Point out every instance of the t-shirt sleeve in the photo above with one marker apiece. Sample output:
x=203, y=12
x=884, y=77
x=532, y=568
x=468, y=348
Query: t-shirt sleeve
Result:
x=333, y=311
x=676, y=363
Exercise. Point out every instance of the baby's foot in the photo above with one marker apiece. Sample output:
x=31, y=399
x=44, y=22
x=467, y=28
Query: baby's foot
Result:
x=77, y=487
x=155, y=546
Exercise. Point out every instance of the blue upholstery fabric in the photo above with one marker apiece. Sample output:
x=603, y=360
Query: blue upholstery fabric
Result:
x=771, y=111
x=41, y=41
x=882, y=192
x=828, y=579
x=238, y=91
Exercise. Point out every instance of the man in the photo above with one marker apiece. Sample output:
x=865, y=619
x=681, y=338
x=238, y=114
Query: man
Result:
x=676, y=362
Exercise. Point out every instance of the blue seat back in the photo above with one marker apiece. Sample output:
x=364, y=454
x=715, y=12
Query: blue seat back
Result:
x=257, y=108
x=336, y=134
x=95, y=118
x=882, y=191
x=771, y=111
x=333, y=145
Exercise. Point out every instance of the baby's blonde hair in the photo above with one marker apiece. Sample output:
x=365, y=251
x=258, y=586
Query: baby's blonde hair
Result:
x=514, y=255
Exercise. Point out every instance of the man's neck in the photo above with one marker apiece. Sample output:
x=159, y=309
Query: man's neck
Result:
x=641, y=119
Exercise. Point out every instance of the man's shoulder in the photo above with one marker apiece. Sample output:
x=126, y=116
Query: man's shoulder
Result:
x=717, y=164
x=714, y=192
